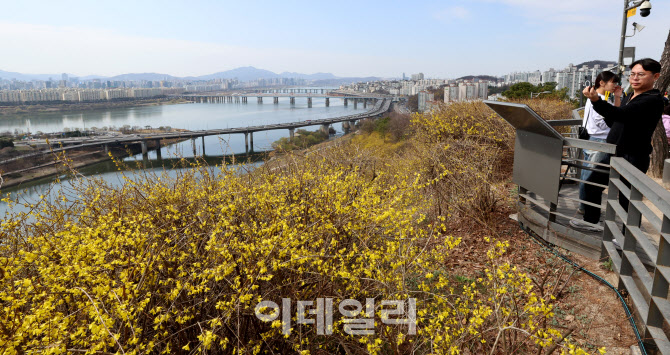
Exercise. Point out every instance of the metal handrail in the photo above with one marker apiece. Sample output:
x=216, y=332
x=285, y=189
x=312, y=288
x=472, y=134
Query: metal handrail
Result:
x=648, y=291
x=642, y=264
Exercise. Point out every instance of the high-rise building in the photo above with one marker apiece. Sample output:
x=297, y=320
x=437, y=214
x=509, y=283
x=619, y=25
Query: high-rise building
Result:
x=417, y=77
x=424, y=97
x=451, y=93
x=549, y=76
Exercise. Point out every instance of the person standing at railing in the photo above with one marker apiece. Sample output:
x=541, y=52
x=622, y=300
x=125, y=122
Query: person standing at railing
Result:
x=605, y=83
x=631, y=128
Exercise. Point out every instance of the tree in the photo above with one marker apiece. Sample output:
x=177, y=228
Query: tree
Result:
x=6, y=142
x=520, y=91
x=413, y=103
x=659, y=140
x=549, y=86
x=438, y=94
x=663, y=82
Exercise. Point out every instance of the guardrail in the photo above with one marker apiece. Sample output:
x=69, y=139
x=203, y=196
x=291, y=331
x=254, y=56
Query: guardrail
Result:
x=642, y=233
x=641, y=254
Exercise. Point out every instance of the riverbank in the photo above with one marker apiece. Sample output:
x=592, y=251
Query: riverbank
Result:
x=15, y=170
x=86, y=106
x=19, y=171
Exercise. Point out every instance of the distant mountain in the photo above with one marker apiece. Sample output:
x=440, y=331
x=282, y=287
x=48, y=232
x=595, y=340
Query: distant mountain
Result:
x=8, y=75
x=479, y=77
x=90, y=77
x=241, y=74
x=143, y=76
x=315, y=76
x=602, y=63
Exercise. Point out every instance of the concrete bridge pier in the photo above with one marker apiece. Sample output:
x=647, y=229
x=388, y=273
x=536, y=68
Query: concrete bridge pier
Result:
x=355, y=104
x=260, y=99
x=365, y=103
x=158, y=149
x=322, y=91
x=352, y=124
x=309, y=102
x=106, y=146
x=237, y=99
x=246, y=142
x=325, y=128
x=251, y=142
x=346, y=102
x=203, y=146
x=345, y=126
x=245, y=100
x=193, y=144
x=143, y=144
x=292, y=100
x=291, y=133
x=327, y=102
x=275, y=100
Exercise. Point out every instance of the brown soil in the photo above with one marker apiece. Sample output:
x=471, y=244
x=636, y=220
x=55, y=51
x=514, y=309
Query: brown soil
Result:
x=582, y=303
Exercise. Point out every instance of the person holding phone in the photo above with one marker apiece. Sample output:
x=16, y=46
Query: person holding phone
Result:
x=631, y=128
x=605, y=83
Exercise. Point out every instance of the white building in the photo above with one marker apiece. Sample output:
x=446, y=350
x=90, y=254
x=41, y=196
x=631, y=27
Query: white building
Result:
x=424, y=97
x=451, y=93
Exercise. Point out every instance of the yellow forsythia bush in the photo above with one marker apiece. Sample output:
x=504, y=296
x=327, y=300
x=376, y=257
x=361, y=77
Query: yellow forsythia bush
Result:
x=179, y=264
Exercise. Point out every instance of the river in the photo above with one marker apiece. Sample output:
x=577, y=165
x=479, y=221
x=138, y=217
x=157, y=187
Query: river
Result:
x=191, y=116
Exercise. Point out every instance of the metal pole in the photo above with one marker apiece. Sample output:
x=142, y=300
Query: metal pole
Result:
x=624, y=22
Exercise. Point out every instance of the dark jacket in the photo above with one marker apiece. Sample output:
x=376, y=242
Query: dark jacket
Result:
x=633, y=123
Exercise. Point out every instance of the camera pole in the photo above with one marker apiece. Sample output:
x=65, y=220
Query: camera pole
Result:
x=624, y=22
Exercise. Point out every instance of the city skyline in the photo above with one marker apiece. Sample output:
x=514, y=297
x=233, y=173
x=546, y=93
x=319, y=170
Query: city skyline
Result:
x=384, y=39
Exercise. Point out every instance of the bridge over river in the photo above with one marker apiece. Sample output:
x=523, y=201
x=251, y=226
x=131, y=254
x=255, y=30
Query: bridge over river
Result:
x=276, y=94
x=381, y=106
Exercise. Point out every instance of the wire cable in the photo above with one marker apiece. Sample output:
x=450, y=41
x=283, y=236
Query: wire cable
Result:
x=550, y=247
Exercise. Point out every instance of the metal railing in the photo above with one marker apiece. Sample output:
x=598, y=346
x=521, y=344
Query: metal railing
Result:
x=647, y=290
x=641, y=254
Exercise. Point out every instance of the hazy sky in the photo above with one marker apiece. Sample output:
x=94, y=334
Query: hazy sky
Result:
x=444, y=39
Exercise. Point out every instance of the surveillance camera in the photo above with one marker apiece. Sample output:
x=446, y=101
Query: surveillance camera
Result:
x=645, y=8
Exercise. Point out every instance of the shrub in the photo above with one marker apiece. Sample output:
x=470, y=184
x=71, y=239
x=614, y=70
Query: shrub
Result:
x=6, y=142
x=302, y=139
